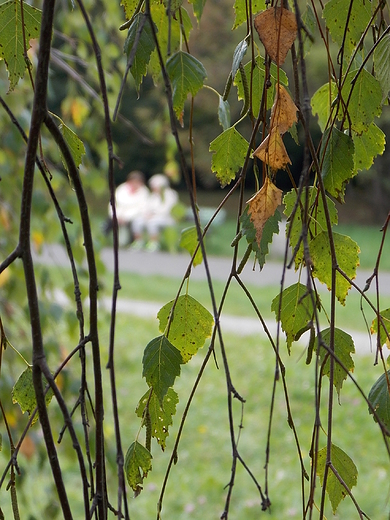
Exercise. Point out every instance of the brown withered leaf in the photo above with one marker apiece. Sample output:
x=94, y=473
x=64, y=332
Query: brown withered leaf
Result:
x=273, y=152
x=263, y=205
x=277, y=30
x=283, y=112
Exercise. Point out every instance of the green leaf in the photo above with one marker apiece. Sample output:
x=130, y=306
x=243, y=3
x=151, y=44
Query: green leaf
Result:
x=316, y=218
x=343, y=348
x=172, y=5
x=337, y=151
x=258, y=79
x=161, y=365
x=240, y=10
x=382, y=65
x=310, y=23
x=270, y=228
x=189, y=241
x=23, y=393
x=368, y=145
x=130, y=7
x=347, y=254
x=379, y=398
x=224, y=113
x=11, y=36
x=365, y=103
x=187, y=75
x=138, y=463
x=230, y=151
x=238, y=55
x=75, y=144
x=144, y=50
x=336, y=14
x=296, y=312
x=191, y=325
x=198, y=6
x=160, y=414
x=383, y=338
x=321, y=103
x=344, y=466
x=169, y=34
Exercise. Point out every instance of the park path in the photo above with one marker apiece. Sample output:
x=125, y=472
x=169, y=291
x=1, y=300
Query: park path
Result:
x=175, y=265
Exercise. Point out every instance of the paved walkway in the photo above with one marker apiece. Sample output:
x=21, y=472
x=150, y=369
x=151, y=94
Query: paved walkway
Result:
x=174, y=266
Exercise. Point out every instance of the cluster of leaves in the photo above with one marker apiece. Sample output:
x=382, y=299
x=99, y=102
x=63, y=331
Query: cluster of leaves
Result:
x=346, y=107
x=185, y=325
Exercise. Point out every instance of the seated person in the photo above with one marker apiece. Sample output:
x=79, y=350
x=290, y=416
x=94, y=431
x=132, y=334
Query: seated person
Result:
x=131, y=200
x=158, y=214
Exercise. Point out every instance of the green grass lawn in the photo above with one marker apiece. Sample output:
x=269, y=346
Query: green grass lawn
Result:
x=196, y=487
x=160, y=289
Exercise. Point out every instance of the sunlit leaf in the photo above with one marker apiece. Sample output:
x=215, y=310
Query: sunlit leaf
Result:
x=383, y=337
x=75, y=144
x=273, y=152
x=365, y=102
x=230, y=150
x=187, y=75
x=337, y=151
x=160, y=414
x=224, y=113
x=316, y=217
x=344, y=466
x=379, y=398
x=284, y=111
x=129, y=6
x=138, y=463
x=23, y=393
x=277, y=30
x=161, y=365
x=343, y=348
x=347, y=254
x=270, y=228
x=321, y=103
x=263, y=205
x=11, y=36
x=336, y=14
x=240, y=10
x=173, y=5
x=190, y=327
x=296, y=311
x=189, y=241
x=382, y=64
x=368, y=145
x=145, y=47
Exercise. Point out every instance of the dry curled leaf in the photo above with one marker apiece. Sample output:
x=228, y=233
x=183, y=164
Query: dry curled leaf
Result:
x=277, y=30
x=284, y=111
x=273, y=152
x=263, y=205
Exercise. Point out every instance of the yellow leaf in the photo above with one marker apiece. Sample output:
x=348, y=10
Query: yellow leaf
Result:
x=273, y=152
x=4, y=277
x=263, y=205
x=277, y=30
x=284, y=111
x=79, y=110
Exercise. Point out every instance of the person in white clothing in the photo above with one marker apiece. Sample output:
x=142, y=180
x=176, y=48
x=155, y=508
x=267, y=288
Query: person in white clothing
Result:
x=158, y=214
x=131, y=200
